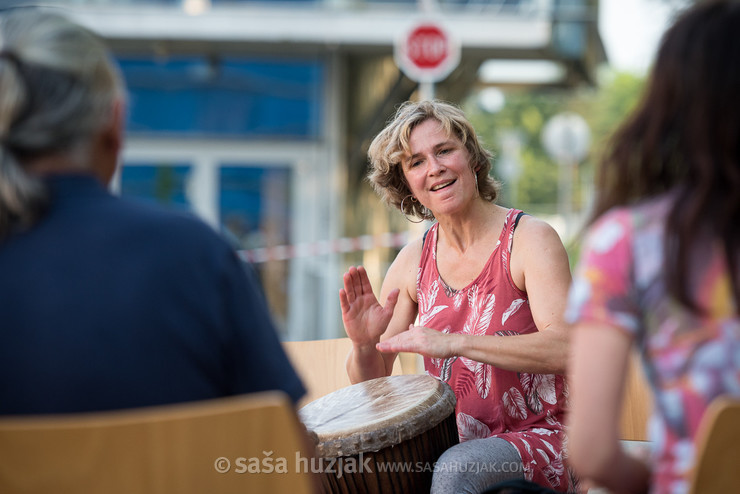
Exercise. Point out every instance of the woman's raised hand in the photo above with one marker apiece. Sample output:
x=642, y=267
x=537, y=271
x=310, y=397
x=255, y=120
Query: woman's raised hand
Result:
x=365, y=320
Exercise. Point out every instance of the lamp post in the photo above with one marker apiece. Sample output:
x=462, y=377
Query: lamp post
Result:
x=566, y=138
x=509, y=163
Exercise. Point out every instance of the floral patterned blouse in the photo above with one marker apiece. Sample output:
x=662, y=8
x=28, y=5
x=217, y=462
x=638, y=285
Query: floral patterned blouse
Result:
x=524, y=409
x=689, y=359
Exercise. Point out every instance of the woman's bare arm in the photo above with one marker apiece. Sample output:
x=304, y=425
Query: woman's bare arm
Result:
x=367, y=323
x=596, y=376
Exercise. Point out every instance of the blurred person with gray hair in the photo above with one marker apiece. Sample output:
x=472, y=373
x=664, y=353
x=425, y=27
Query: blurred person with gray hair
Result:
x=106, y=303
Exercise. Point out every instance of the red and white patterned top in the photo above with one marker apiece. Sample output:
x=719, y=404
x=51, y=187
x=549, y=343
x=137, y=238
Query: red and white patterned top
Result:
x=525, y=409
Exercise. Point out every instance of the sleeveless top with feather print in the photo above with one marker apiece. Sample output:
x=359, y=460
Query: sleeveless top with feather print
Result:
x=527, y=410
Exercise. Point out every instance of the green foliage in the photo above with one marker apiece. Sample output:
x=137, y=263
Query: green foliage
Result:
x=527, y=111
x=609, y=106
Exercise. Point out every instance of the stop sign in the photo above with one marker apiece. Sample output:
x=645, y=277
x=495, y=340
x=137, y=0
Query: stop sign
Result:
x=426, y=52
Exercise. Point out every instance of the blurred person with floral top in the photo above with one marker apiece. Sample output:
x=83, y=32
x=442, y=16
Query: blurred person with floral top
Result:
x=660, y=268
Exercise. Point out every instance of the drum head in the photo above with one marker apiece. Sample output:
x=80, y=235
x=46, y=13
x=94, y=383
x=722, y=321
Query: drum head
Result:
x=375, y=414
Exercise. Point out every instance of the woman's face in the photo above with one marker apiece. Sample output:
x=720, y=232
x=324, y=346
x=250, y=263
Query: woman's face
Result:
x=437, y=169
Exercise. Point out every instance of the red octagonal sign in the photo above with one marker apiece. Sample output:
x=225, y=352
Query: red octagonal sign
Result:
x=427, y=53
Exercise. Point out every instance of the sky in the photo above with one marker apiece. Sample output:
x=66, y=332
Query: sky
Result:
x=631, y=31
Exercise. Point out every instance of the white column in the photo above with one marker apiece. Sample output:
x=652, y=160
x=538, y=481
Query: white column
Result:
x=202, y=190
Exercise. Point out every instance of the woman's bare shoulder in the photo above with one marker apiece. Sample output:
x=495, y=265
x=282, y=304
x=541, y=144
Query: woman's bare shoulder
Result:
x=403, y=270
x=537, y=246
x=533, y=229
x=410, y=255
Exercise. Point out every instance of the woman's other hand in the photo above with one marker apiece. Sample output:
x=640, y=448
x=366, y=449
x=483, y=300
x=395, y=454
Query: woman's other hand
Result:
x=424, y=341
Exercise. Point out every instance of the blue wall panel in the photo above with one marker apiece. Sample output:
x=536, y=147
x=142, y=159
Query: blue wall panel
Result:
x=223, y=97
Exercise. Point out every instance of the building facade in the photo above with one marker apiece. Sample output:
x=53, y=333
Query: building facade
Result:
x=256, y=116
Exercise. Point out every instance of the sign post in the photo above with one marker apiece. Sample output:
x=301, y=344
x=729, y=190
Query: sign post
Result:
x=567, y=138
x=426, y=53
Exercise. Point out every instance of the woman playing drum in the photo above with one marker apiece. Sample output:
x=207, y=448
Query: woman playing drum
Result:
x=488, y=316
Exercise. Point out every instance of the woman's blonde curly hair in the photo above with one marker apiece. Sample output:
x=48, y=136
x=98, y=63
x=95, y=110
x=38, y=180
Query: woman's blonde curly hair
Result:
x=392, y=143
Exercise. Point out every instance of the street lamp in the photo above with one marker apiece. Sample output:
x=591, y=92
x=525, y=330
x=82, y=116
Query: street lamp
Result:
x=566, y=138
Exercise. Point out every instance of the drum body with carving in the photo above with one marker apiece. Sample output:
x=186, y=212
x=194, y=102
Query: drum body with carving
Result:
x=383, y=435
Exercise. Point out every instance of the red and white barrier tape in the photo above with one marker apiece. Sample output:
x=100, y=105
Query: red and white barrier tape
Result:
x=340, y=245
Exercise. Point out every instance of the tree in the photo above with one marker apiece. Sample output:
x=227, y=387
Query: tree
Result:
x=524, y=113
x=527, y=111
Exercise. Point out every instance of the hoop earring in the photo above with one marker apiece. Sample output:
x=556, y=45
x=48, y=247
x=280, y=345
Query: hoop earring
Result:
x=475, y=176
x=403, y=211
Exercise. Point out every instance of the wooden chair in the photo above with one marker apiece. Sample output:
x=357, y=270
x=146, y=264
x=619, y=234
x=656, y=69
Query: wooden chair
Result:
x=637, y=405
x=321, y=365
x=716, y=467
x=172, y=449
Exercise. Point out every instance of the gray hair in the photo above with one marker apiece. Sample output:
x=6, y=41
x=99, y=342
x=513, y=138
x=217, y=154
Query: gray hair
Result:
x=58, y=86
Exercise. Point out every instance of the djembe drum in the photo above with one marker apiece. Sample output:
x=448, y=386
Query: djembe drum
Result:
x=383, y=435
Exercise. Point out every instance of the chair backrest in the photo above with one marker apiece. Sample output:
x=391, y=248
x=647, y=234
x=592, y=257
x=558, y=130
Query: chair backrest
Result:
x=717, y=463
x=637, y=404
x=322, y=365
x=173, y=449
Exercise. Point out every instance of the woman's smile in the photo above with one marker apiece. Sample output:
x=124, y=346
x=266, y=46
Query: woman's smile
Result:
x=438, y=169
x=442, y=185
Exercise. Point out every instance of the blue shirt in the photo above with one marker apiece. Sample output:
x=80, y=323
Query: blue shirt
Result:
x=107, y=304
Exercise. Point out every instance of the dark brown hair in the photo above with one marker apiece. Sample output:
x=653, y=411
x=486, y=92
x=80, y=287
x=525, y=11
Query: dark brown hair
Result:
x=684, y=137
